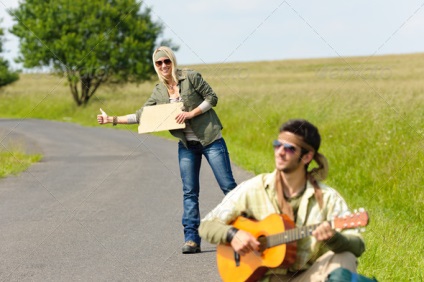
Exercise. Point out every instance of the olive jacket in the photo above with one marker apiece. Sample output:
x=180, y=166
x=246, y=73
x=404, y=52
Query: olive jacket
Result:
x=193, y=91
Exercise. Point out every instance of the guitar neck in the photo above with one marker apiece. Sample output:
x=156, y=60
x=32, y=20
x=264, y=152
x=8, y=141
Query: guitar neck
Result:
x=290, y=235
x=359, y=219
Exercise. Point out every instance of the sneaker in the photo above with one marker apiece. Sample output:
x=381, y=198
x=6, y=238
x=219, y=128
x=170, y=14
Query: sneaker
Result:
x=191, y=247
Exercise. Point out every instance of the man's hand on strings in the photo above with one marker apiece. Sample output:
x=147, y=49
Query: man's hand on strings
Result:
x=243, y=243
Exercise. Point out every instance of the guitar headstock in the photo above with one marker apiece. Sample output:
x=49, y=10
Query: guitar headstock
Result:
x=355, y=220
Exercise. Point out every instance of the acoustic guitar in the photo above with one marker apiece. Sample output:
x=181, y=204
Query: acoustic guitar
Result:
x=277, y=236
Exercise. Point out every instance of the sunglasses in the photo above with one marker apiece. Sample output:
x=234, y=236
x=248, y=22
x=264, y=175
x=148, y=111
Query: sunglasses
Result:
x=289, y=149
x=166, y=62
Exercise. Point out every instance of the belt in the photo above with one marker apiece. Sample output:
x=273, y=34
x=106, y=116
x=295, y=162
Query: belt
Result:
x=193, y=143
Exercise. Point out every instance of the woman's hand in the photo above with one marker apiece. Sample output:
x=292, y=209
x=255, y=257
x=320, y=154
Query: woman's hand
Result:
x=182, y=117
x=102, y=118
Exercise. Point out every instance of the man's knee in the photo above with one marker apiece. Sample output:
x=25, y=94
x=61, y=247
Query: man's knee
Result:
x=344, y=259
x=327, y=263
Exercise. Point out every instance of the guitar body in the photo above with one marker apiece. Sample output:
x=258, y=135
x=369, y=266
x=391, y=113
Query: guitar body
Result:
x=254, y=265
x=277, y=236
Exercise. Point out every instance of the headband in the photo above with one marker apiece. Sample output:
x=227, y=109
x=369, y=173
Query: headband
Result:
x=160, y=54
x=320, y=172
x=295, y=139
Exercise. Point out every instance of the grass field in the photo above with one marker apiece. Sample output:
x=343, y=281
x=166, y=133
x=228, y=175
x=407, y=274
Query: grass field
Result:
x=369, y=112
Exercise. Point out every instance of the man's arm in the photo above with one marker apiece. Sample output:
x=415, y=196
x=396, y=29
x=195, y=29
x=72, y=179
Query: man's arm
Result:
x=339, y=242
x=218, y=233
x=214, y=231
x=346, y=243
x=215, y=225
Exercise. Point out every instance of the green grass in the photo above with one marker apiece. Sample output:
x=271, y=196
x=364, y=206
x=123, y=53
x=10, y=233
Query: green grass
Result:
x=14, y=161
x=368, y=110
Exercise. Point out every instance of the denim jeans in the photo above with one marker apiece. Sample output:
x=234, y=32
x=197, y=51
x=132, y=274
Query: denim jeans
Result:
x=190, y=160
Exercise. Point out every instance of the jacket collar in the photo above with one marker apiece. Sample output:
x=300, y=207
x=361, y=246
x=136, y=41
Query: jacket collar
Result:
x=182, y=74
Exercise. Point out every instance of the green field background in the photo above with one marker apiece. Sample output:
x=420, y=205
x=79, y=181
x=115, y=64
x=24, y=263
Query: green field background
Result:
x=369, y=111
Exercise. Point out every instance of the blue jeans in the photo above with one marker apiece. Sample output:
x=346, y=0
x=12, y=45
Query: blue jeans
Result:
x=190, y=160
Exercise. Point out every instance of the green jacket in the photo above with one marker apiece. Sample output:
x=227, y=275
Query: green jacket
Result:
x=193, y=90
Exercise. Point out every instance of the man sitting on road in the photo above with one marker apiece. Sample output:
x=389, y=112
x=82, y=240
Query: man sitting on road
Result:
x=291, y=190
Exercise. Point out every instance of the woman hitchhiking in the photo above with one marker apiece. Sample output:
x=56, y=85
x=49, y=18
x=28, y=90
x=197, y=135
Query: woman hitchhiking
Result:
x=201, y=136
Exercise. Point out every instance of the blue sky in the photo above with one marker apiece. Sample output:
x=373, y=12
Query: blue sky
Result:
x=223, y=31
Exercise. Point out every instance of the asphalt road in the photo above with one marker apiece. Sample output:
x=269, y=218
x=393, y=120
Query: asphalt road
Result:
x=102, y=205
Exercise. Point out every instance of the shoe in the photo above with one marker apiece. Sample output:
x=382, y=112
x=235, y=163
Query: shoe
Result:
x=191, y=247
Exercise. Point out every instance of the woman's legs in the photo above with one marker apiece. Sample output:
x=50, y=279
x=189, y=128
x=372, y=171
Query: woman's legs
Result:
x=190, y=161
x=218, y=157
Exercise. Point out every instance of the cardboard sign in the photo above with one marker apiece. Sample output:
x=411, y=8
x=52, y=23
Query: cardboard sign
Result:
x=160, y=117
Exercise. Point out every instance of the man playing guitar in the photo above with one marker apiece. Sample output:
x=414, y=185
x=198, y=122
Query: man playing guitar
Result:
x=296, y=193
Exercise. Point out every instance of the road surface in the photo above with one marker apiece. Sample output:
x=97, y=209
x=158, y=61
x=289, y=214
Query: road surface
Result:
x=102, y=205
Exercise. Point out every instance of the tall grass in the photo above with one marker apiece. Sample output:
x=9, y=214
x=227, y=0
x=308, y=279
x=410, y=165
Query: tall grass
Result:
x=368, y=110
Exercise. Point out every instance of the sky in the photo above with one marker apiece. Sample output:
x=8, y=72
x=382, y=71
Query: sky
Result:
x=229, y=31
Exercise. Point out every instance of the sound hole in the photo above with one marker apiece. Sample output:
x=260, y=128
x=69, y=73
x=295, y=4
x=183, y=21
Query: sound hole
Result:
x=263, y=243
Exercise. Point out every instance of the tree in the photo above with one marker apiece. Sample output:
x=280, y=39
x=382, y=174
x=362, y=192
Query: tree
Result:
x=6, y=75
x=90, y=42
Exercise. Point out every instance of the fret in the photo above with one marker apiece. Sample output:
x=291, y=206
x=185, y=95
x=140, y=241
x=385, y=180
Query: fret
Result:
x=290, y=235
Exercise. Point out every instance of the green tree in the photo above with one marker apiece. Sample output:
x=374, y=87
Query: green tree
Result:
x=90, y=42
x=6, y=75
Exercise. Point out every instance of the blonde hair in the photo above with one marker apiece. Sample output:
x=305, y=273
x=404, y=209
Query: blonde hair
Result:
x=170, y=54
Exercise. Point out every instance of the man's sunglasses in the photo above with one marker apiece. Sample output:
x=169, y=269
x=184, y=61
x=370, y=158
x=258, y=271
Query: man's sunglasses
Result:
x=166, y=62
x=290, y=149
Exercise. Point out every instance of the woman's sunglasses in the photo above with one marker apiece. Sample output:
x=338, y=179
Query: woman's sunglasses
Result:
x=289, y=149
x=166, y=62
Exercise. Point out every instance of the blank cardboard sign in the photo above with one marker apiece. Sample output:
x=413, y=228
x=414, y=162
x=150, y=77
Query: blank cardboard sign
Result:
x=160, y=118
